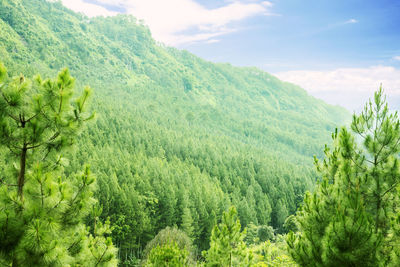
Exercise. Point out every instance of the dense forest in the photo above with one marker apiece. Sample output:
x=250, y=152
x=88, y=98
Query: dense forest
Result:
x=189, y=160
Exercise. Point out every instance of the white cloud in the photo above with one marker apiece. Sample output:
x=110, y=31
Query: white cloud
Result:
x=266, y=3
x=212, y=41
x=341, y=80
x=177, y=39
x=90, y=10
x=175, y=22
x=351, y=21
x=396, y=58
x=349, y=87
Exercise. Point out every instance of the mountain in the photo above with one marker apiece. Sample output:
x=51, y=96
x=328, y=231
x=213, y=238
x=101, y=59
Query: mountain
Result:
x=177, y=139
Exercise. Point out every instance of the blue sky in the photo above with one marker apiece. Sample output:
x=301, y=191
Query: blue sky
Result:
x=339, y=50
x=314, y=34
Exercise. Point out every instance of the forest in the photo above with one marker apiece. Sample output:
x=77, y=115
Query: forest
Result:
x=116, y=150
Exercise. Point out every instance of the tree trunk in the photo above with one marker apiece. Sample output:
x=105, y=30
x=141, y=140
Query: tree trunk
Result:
x=14, y=262
x=21, y=177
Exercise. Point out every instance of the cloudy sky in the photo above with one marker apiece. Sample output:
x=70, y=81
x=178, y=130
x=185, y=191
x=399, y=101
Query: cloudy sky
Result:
x=340, y=51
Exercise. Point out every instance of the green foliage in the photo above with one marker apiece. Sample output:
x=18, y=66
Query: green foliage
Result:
x=272, y=254
x=351, y=218
x=281, y=214
x=39, y=119
x=177, y=139
x=226, y=246
x=187, y=222
x=167, y=241
x=168, y=255
x=3, y=72
x=291, y=224
x=41, y=217
x=265, y=232
x=261, y=233
x=251, y=236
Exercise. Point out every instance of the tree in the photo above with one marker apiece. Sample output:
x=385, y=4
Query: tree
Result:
x=187, y=222
x=41, y=216
x=166, y=241
x=167, y=255
x=281, y=213
x=350, y=219
x=266, y=232
x=251, y=234
x=226, y=246
x=291, y=224
x=38, y=119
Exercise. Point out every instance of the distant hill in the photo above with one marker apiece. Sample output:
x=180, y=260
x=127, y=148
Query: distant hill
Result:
x=177, y=139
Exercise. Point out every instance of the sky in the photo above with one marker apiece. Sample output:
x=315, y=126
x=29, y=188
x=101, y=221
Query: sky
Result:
x=339, y=51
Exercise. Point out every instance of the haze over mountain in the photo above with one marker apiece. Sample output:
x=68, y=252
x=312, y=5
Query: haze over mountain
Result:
x=177, y=138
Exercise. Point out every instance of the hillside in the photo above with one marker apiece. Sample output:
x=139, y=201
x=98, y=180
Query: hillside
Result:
x=177, y=139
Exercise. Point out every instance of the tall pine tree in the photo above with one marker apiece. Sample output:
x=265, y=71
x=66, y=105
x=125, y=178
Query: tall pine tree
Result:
x=227, y=247
x=350, y=219
x=41, y=210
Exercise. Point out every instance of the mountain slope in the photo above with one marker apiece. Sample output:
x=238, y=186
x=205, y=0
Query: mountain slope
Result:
x=177, y=138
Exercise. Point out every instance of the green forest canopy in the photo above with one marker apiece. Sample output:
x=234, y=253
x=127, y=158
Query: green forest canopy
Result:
x=177, y=139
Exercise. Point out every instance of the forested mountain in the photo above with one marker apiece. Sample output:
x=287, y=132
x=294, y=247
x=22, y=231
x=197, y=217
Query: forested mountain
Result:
x=177, y=139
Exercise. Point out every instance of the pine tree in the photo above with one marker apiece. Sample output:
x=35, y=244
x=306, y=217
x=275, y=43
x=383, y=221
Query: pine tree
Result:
x=227, y=247
x=281, y=214
x=350, y=219
x=251, y=234
x=187, y=222
x=41, y=210
x=38, y=120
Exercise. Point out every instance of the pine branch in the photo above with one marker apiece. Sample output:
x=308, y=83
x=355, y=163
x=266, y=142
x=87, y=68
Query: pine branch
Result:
x=390, y=189
x=34, y=116
x=37, y=114
x=12, y=117
x=358, y=131
x=73, y=245
x=35, y=146
x=48, y=141
x=391, y=151
x=61, y=100
x=2, y=182
x=8, y=102
x=99, y=261
x=360, y=167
